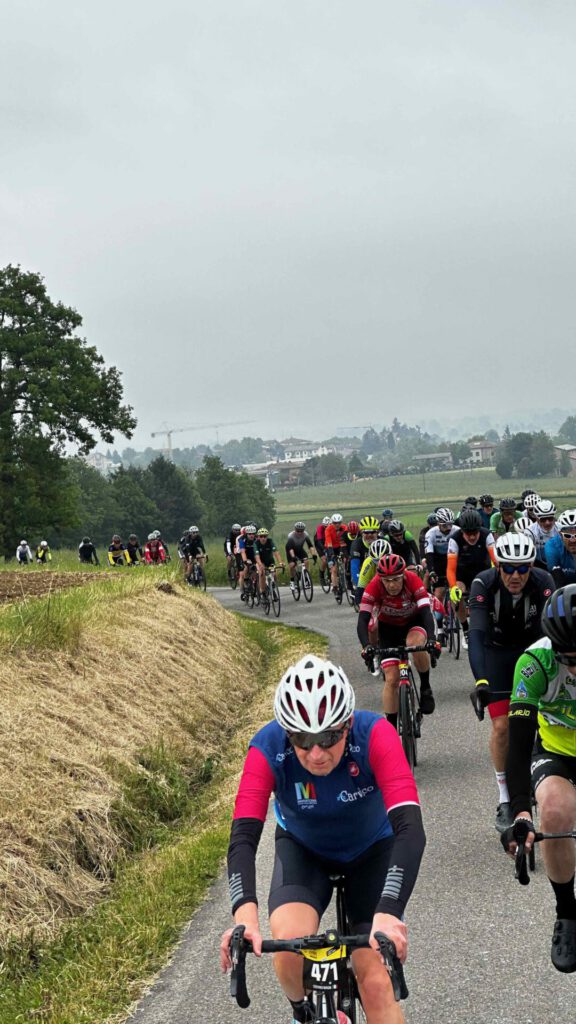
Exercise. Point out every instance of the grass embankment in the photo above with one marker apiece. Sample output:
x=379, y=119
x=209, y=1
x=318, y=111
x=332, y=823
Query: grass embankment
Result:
x=120, y=744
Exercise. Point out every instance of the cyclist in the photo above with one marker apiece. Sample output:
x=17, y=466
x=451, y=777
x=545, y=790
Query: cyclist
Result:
x=543, y=705
x=436, y=549
x=158, y=536
x=431, y=521
x=154, y=553
x=117, y=554
x=230, y=542
x=471, y=502
x=320, y=545
x=266, y=554
x=194, y=551
x=134, y=549
x=470, y=550
x=345, y=802
x=335, y=546
x=246, y=542
x=560, y=551
x=529, y=501
x=402, y=543
x=43, y=553
x=544, y=528
x=298, y=541
x=376, y=551
x=23, y=553
x=503, y=520
x=87, y=553
x=505, y=608
x=360, y=547
x=387, y=515
x=486, y=502
x=401, y=604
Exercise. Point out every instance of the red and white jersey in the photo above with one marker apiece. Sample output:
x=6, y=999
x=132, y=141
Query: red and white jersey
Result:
x=397, y=609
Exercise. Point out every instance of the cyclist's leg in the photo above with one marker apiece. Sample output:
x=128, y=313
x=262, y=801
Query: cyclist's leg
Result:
x=500, y=674
x=291, y=560
x=416, y=637
x=261, y=576
x=390, y=636
x=554, y=782
x=300, y=891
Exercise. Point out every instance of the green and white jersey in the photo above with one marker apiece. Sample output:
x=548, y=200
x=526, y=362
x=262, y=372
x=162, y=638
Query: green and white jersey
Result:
x=541, y=680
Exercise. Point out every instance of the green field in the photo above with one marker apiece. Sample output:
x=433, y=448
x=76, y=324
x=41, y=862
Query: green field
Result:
x=412, y=498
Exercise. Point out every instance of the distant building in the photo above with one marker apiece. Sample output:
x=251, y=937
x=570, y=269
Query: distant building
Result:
x=101, y=462
x=482, y=452
x=570, y=450
x=296, y=448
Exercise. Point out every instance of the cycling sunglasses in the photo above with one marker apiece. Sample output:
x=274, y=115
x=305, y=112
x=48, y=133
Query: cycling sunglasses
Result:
x=511, y=569
x=327, y=738
x=568, y=536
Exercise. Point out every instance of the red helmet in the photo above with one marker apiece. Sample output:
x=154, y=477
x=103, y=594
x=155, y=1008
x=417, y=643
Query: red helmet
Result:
x=353, y=528
x=391, y=565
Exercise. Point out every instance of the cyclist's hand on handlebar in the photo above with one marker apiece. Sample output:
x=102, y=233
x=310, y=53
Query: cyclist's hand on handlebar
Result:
x=522, y=830
x=479, y=697
x=368, y=652
x=395, y=930
x=455, y=595
x=251, y=932
x=434, y=648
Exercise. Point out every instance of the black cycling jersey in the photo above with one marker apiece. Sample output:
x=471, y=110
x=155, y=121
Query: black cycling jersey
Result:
x=87, y=553
x=407, y=549
x=194, y=546
x=499, y=621
x=265, y=549
x=472, y=558
x=230, y=542
x=135, y=551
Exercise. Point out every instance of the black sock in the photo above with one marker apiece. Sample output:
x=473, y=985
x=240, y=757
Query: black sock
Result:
x=565, y=899
x=424, y=680
x=392, y=717
x=302, y=1010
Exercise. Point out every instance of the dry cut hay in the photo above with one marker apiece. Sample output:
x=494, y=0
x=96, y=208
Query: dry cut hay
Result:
x=165, y=665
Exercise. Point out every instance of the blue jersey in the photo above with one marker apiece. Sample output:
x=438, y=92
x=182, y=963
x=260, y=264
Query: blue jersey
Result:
x=556, y=554
x=339, y=815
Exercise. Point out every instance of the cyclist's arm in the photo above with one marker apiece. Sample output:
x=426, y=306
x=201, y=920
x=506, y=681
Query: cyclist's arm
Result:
x=491, y=549
x=478, y=628
x=256, y=785
x=426, y=619
x=529, y=681
x=414, y=549
x=452, y=567
x=355, y=565
x=396, y=783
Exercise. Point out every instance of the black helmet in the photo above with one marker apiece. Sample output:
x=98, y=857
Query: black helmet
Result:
x=85, y=540
x=471, y=501
x=486, y=499
x=470, y=520
x=432, y=520
x=509, y=503
x=559, y=618
x=527, y=492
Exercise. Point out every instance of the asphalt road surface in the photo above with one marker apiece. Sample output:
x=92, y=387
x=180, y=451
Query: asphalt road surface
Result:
x=479, y=948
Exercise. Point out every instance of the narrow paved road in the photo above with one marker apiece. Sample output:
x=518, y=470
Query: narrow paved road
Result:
x=479, y=942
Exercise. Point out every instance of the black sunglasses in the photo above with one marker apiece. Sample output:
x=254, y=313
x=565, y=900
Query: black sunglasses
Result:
x=511, y=569
x=307, y=740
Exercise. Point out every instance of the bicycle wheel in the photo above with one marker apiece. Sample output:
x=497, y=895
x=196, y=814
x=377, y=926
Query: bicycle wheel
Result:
x=349, y=596
x=457, y=636
x=296, y=588
x=407, y=723
x=201, y=578
x=307, y=585
x=275, y=597
x=449, y=626
x=324, y=575
x=232, y=576
x=265, y=602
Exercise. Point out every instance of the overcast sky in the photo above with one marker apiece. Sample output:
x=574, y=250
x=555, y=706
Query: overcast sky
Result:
x=311, y=215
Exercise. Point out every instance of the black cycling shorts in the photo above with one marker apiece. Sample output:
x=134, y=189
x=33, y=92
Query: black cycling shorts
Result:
x=301, y=876
x=320, y=548
x=299, y=555
x=544, y=764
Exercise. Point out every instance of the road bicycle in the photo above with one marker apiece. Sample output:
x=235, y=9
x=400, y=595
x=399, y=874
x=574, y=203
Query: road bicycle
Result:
x=409, y=711
x=271, y=596
x=232, y=573
x=197, y=576
x=452, y=626
x=342, y=587
x=520, y=830
x=324, y=577
x=302, y=582
x=251, y=589
x=328, y=973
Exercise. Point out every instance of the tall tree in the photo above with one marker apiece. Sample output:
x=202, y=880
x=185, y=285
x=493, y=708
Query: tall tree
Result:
x=175, y=494
x=53, y=385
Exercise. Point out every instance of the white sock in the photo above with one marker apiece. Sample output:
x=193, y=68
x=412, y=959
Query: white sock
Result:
x=502, y=787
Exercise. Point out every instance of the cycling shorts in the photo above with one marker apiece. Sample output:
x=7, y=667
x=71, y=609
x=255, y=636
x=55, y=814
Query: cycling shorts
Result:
x=267, y=562
x=332, y=555
x=301, y=876
x=545, y=764
x=500, y=665
x=320, y=548
x=239, y=562
x=390, y=635
x=300, y=553
x=466, y=573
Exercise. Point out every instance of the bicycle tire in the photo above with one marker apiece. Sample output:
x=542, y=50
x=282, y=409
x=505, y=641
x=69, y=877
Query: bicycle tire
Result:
x=350, y=596
x=265, y=600
x=201, y=578
x=296, y=588
x=233, y=577
x=307, y=585
x=325, y=580
x=457, y=637
x=406, y=724
x=275, y=596
x=450, y=624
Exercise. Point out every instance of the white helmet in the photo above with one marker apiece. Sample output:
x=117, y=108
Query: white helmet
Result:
x=236, y=527
x=23, y=542
x=43, y=543
x=567, y=521
x=531, y=500
x=522, y=525
x=156, y=535
x=250, y=528
x=378, y=548
x=313, y=695
x=336, y=518
x=544, y=507
x=444, y=515
x=326, y=521
x=193, y=529
x=515, y=547
x=152, y=536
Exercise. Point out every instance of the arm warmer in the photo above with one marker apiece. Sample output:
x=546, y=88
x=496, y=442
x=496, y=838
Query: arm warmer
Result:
x=405, y=858
x=355, y=566
x=478, y=628
x=522, y=723
x=362, y=627
x=427, y=620
x=250, y=810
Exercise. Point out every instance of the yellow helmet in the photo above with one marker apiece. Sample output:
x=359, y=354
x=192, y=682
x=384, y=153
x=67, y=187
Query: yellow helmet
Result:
x=369, y=524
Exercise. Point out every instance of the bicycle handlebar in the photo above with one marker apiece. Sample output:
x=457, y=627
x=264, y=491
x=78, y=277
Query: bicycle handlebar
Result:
x=520, y=831
x=239, y=947
x=394, y=652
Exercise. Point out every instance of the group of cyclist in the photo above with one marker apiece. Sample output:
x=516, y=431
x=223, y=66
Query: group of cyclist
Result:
x=345, y=799
x=153, y=552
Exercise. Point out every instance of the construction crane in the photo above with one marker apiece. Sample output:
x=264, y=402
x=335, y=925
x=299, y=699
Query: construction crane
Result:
x=168, y=431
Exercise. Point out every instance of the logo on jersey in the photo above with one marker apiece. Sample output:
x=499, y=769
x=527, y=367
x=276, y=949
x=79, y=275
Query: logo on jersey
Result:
x=527, y=671
x=547, y=592
x=346, y=797
x=480, y=598
x=305, y=794
x=353, y=769
x=521, y=690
